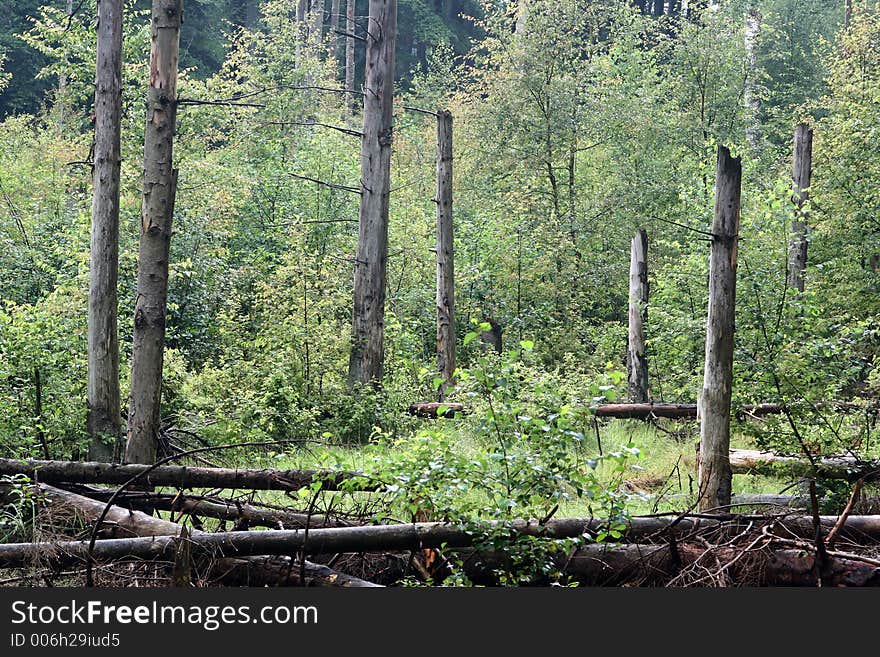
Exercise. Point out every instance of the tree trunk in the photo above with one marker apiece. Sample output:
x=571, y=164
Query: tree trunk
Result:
x=253, y=571
x=636, y=354
x=317, y=15
x=385, y=538
x=181, y=476
x=334, y=32
x=351, y=97
x=368, y=326
x=751, y=99
x=160, y=188
x=689, y=411
x=801, y=173
x=714, y=403
x=847, y=13
x=104, y=422
x=445, y=258
x=753, y=461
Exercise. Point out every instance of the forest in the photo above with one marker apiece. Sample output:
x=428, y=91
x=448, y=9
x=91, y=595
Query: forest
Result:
x=439, y=293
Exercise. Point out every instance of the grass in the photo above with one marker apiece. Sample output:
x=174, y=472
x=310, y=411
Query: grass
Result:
x=661, y=479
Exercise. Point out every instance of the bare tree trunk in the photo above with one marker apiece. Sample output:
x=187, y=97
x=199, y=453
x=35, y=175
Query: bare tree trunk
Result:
x=334, y=31
x=636, y=355
x=351, y=98
x=255, y=571
x=302, y=30
x=847, y=13
x=367, y=347
x=445, y=254
x=180, y=476
x=801, y=172
x=160, y=186
x=715, y=479
x=104, y=423
x=751, y=99
x=317, y=12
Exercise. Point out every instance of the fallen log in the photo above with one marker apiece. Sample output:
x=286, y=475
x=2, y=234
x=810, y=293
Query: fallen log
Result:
x=241, y=513
x=643, y=411
x=687, y=564
x=415, y=536
x=431, y=409
x=753, y=461
x=180, y=476
x=123, y=524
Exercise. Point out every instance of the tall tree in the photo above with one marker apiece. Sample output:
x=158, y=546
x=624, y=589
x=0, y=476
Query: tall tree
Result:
x=370, y=273
x=349, y=56
x=157, y=210
x=636, y=356
x=715, y=478
x=801, y=173
x=103, y=419
x=445, y=254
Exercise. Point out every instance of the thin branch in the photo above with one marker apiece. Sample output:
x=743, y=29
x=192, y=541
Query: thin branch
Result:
x=223, y=102
x=345, y=188
x=346, y=131
x=419, y=109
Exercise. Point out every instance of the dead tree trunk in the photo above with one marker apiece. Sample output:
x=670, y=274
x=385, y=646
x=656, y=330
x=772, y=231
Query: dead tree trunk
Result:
x=334, y=32
x=715, y=478
x=751, y=99
x=256, y=571
x=636, y=354
x=445, y=258
x=368, y=326
x=801, y=173
x=103, y=421
x=351, y=97
x=160, y=187
x=180, y=476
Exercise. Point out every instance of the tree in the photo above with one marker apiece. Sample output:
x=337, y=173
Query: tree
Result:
x=715, y=477
x=157, y=210
x=370, y=273
x=104, y=422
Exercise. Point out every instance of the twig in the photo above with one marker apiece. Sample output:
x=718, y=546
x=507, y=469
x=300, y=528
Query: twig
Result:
x=841, y=521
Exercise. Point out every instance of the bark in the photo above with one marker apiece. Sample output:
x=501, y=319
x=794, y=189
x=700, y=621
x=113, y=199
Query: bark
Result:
x=254, y=571
x=334, y=31
x=181, y=476
x=689, y=411
x=753, y=461
x=751, y=99
x=636, y=354
x=317, y=12
x=384, y=538
x=432, y=409
x=242, y=514
x=160, y=186
x=445, y=254
x=352, y=97
x=104, y=423
x=367, y=347
x=715, y=479
x=659, y=564
x=801, y=173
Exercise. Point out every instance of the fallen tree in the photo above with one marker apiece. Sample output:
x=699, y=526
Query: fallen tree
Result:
x=180, y=476
x=122, y=524
x=415, y=536
x=752, y=461
x=644, y=411
x=241, y=513
x=432, y=409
